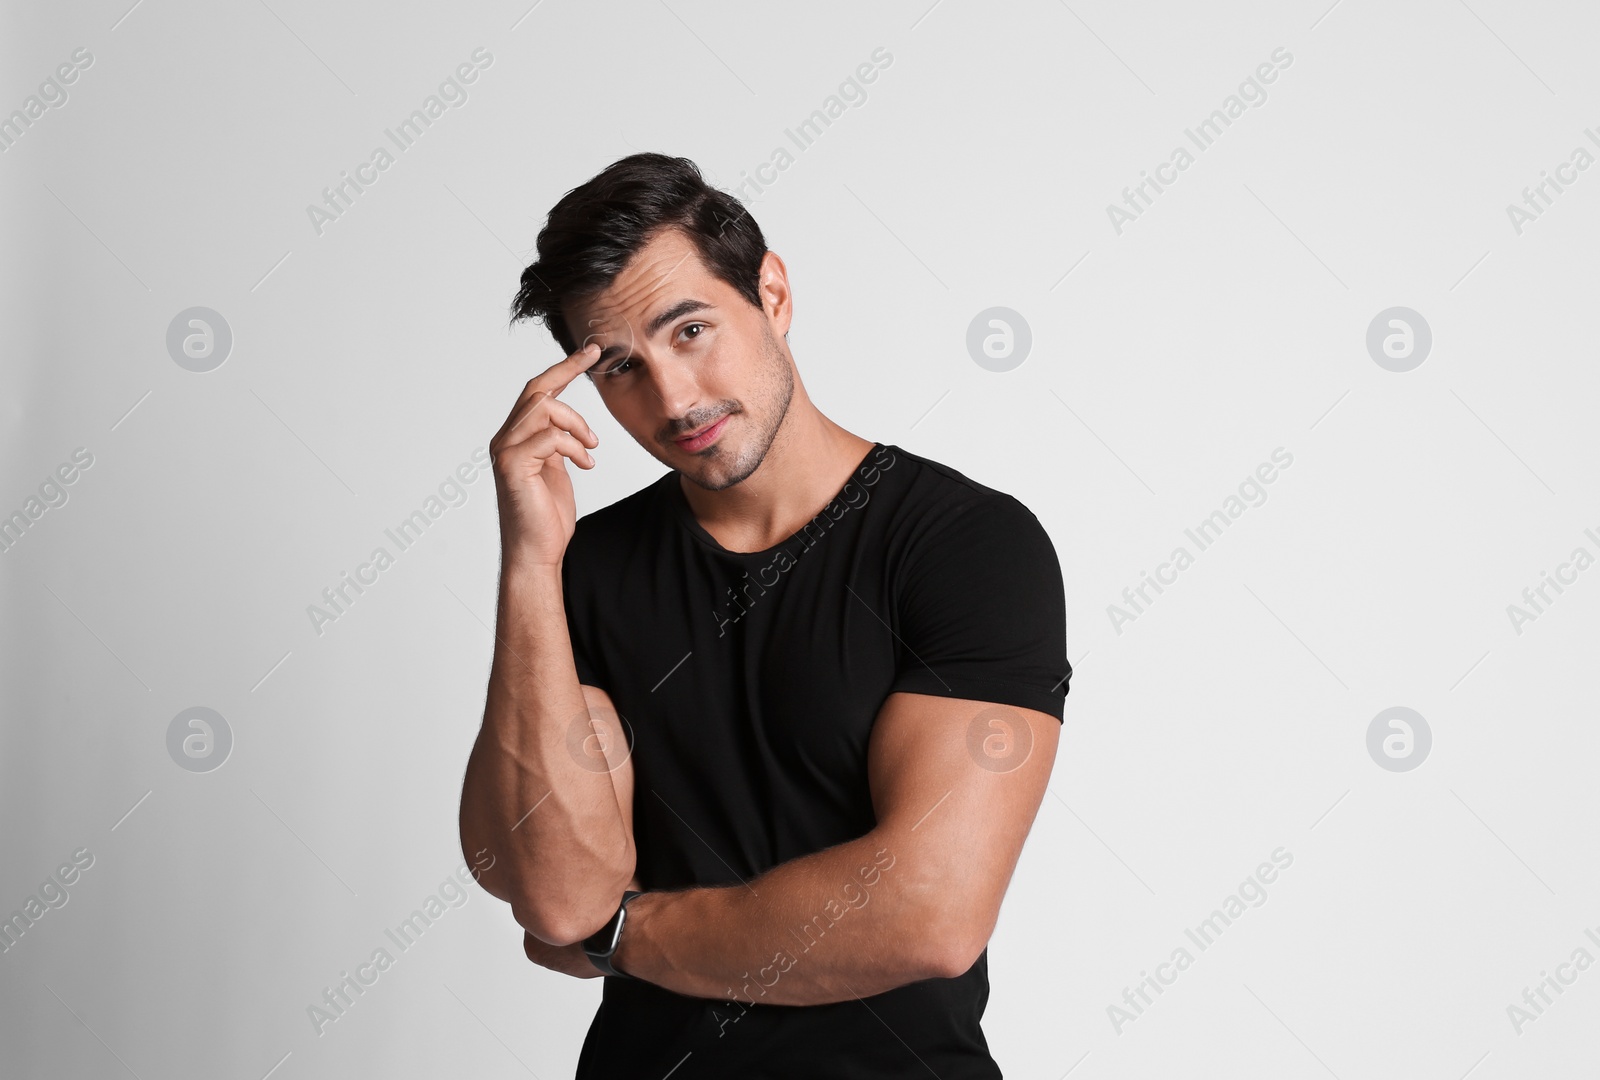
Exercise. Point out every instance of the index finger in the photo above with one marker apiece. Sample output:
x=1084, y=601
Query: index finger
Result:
x=555, y=378
x=559, y=375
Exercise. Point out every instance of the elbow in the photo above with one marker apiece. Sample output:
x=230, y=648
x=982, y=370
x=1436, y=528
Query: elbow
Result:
x=548, y=919
x=561, y=924
x=953, y=945
x=942, y=919
x=551, y=927
x=568, y=916
x=952, y=958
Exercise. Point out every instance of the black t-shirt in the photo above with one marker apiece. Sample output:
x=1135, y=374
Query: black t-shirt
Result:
x=748, y=684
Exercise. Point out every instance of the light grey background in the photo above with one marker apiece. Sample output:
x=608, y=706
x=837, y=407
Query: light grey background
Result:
x=1229, y=719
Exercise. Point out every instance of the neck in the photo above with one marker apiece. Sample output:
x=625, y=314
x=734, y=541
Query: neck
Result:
x=810, y=460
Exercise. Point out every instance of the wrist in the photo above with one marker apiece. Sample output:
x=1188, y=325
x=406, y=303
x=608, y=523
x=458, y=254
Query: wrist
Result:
x=522, y=568
x=635, y=955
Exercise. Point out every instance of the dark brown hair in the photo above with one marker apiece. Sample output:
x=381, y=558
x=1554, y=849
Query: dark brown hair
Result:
x=597, y=227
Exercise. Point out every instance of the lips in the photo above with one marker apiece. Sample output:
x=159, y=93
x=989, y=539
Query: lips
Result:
x=702, y=438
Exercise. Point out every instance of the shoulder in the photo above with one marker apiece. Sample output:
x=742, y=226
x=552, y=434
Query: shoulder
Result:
x=940, y=498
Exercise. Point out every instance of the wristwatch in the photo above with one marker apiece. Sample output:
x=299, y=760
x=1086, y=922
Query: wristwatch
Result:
x=601, y=944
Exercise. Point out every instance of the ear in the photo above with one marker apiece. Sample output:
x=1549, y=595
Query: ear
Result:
x=776, y=299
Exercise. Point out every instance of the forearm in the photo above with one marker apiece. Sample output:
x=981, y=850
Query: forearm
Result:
x=851, y=921
x=562, y=851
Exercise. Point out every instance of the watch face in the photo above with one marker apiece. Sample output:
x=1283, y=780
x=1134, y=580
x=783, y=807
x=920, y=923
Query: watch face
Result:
x=603, y=942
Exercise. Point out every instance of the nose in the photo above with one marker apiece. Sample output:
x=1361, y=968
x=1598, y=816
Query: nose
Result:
x=674, y=381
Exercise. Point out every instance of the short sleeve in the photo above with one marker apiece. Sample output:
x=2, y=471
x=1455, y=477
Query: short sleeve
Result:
x=981, y=608
x=577, y=597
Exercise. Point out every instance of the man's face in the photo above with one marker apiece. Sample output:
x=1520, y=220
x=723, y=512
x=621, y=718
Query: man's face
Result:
x=683, y=353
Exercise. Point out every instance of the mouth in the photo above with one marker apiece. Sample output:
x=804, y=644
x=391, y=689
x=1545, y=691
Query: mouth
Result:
x=703, y=438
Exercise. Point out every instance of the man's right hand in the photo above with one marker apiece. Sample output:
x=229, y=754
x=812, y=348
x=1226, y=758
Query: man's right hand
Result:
x=537, y=509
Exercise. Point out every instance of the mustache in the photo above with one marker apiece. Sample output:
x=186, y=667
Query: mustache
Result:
x=680, y=430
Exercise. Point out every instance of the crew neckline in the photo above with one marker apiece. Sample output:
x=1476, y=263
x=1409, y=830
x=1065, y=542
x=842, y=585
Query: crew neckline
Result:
x=685, y=513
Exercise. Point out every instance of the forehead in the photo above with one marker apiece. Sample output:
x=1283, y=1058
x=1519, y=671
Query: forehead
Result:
x=666, y=269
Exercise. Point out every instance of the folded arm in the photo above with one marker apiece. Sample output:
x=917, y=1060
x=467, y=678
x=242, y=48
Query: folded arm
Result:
x=955, y=786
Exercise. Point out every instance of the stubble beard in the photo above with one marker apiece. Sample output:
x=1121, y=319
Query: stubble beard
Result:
x=723, y=468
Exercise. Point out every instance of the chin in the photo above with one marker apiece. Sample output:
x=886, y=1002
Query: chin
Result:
x=713, y=475
x=720, y=470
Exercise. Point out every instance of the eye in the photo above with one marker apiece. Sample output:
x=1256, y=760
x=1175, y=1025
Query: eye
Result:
x=624, y=366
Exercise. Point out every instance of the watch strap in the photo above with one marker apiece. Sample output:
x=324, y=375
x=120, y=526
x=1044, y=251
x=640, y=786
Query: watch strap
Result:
x=602, y=944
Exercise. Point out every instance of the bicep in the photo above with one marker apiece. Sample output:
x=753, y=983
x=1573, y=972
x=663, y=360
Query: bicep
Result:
x=956, y=784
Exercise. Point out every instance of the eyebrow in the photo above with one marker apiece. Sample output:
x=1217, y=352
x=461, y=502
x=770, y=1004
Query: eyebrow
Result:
x=657, y=321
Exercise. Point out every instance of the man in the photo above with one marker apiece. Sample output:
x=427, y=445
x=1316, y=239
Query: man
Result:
x=784, y=716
